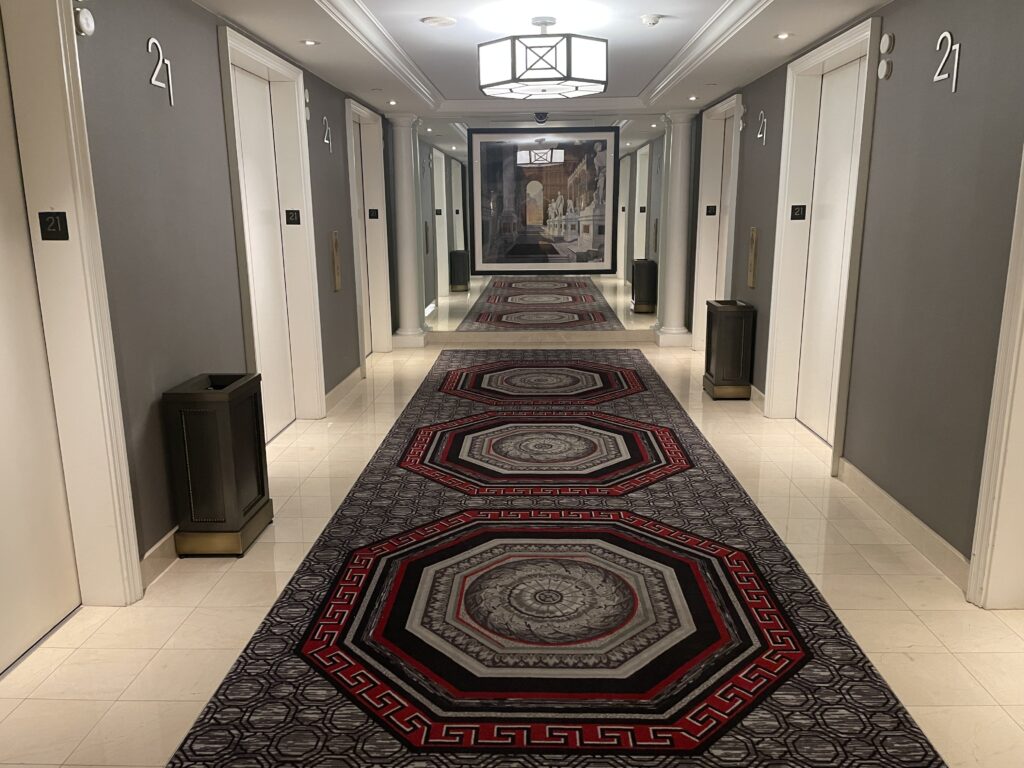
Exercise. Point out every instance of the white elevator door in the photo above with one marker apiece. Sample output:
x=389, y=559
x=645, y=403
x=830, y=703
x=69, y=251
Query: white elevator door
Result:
x=38, y=577
x=265, y=248
x=361, y=236
x=724, y=213
x=828, y=249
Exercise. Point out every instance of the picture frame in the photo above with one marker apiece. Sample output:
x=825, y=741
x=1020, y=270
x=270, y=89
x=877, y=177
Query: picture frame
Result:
x=543, y=200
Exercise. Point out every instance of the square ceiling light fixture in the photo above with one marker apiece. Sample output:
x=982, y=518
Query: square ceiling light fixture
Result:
x=543, y=66
x=536, y=158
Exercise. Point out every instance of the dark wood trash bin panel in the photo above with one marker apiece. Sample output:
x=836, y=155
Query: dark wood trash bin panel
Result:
x=729, y=358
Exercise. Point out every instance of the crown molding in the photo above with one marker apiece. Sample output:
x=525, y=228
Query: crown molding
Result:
x=729, y=19
x=356, y=19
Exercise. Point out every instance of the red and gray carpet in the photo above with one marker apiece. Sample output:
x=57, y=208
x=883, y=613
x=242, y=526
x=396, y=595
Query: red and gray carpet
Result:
x=541, y=303
x=545, y=564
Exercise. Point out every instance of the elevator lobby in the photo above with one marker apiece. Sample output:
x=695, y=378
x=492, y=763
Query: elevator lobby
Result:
x=519, y=384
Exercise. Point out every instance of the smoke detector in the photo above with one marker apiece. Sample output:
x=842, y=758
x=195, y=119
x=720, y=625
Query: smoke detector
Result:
x=651, y=19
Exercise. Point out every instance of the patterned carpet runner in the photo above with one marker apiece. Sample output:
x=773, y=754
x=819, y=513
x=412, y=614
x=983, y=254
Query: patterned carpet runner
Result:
x=540, y=303
x=545, y=564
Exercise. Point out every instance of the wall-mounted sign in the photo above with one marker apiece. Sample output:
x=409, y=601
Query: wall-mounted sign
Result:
x=163, y=65
x=947, y=46
x=327, y=135
x=762, y=128
x=643, y=209
x=798, y=213
x=374, y=213
x=53, y=225
x=292, y=217
x=437, y=211
x=711, y=210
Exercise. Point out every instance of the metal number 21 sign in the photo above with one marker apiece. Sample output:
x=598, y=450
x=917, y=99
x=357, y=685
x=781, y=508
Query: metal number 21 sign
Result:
x=946, y=39
x=163, y=64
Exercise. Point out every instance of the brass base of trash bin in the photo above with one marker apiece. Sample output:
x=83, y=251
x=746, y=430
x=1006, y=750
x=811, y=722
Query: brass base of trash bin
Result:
x=722, y=392
x=225, y=542
x=459, y=288
x=643, y=308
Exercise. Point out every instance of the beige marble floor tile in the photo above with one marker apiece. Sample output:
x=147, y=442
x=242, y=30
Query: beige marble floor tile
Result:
x=270, y=556
x=890, y=631
x=972, y=631
x=929, y=593
x=217, y=628
x=1002, y=674
x=26, y=675
x=178, y=589
x=93, y=674
x=47, y=731
x=857, y=591
x=932, y=679
x=77, y=627
x=138, y=626
x=143, y=733
x=973, y=737
x=181, y=675
x=7, y=706
x=242, y=589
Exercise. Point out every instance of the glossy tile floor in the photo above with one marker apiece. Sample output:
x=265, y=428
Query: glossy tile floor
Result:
x=121, y=686
x=452, y=309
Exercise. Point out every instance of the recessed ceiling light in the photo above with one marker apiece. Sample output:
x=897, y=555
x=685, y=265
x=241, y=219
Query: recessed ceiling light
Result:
x=629, y=144
x=654, y=125
x=392, y=103
x=782, y=36
x=693, y=98
x=430, y=130
x=438, y=21
x=310, y=42
x=454, y=149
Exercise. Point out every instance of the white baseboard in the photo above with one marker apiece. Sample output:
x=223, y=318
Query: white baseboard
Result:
x=409, y=341
x=681, y=338
x=345, y=386
x=159, y=558
x=940, y=552
x=757, y=398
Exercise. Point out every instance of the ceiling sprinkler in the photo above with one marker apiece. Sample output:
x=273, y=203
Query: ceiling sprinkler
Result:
x=651, y=19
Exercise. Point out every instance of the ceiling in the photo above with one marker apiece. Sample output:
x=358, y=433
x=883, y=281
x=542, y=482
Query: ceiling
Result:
x=381, y=53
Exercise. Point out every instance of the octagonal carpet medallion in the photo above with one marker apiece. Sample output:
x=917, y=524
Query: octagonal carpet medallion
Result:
x=515, y=585
x=541, y=303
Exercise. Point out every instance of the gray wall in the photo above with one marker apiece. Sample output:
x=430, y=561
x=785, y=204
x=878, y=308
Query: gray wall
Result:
x=939, y=215
x=757, y=202
x=166, y=222
x=941, y=194
x=164, y=200
x=332, y=212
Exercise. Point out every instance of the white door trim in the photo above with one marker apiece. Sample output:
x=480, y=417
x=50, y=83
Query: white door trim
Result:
x=997, y=570
x=376, y=230
x=796, y=179
x=713, y=191
x=438, y=165
x=49, y=109
x=287, y=94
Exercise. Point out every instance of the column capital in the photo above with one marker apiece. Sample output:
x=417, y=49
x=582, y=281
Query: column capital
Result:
x=680, y=116
x=402, y=119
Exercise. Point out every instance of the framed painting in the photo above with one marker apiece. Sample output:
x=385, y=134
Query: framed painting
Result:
x=544, y=200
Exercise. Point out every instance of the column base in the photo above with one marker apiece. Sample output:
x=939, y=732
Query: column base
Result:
x=409, y=340
x=673, y=337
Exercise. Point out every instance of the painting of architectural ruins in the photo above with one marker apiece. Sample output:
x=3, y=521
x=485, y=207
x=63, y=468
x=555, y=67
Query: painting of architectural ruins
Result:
x=543, y=200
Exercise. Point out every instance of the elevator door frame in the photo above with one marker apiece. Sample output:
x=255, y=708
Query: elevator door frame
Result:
x=796, y=179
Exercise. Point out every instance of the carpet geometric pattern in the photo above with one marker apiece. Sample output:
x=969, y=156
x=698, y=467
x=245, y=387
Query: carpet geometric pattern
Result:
x=575, y=382
x=667, y=627
x=543, y=629
x=545, y=453
x=538, y=303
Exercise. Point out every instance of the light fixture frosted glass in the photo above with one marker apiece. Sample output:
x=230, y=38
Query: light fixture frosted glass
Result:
x=543, y=66
x=535, y=158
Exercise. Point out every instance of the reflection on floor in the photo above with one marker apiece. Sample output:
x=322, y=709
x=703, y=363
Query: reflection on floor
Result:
x=121, y=686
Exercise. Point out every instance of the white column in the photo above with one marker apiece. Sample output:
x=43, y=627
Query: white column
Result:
x=410, y=266
x=672, y=284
